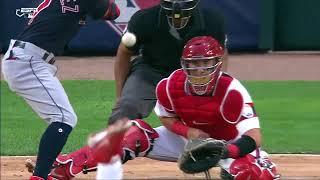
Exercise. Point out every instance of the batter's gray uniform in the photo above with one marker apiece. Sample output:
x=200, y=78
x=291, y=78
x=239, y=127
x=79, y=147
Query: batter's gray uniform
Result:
x=28, y=68
x=30, y=75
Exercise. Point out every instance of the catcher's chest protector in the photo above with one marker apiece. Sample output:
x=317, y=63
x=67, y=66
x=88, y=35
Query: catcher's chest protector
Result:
x=202, y=112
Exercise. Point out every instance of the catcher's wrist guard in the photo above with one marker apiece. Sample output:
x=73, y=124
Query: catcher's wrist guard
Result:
x=246, y=145
x=233, y=151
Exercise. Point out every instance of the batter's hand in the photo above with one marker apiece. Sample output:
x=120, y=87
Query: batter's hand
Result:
x=194, y=133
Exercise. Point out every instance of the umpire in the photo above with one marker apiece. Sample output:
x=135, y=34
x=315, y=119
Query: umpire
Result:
x=161, y=32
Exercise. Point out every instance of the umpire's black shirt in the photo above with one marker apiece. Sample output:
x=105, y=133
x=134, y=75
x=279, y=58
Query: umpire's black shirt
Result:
x=162, y=49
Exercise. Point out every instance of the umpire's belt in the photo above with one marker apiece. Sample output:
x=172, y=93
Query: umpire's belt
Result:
x=34, y=50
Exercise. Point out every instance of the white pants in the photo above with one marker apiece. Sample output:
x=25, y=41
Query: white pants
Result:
x=112, y=170
x=169, y=146
x=29, y=76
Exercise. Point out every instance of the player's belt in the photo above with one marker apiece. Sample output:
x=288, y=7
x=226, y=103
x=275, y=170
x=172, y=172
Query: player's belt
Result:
x=47, y=57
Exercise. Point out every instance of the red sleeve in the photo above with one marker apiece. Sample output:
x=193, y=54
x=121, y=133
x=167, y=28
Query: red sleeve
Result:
x=162, y=96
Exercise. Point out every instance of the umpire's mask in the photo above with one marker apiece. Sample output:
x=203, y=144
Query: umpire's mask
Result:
x=178, y=12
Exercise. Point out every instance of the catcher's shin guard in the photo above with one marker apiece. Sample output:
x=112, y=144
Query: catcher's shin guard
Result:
x=251, y=168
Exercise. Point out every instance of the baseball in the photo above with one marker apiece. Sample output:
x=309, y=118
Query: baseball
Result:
x=129, y=39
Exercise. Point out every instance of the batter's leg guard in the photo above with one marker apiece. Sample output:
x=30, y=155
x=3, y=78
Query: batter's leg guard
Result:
x=108, y=143
x=138, y=140
x=68, y=166
x=84, y=160
x=129, y=143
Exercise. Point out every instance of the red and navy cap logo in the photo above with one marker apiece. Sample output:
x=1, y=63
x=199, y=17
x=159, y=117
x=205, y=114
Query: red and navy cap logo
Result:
x=128, y=8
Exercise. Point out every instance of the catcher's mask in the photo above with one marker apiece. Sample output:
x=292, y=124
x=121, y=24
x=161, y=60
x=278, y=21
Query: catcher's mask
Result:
x=201, y=61
x=178, y=12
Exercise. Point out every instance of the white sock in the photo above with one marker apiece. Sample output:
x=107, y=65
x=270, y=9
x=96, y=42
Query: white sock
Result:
x=108, y=171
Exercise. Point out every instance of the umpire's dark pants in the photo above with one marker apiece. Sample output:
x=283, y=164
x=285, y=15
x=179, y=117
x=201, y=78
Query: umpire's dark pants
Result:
x=138, y=96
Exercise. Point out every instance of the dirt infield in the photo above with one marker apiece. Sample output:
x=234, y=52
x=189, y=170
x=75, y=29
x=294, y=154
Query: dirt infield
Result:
x=303, y=167
x=244, y=67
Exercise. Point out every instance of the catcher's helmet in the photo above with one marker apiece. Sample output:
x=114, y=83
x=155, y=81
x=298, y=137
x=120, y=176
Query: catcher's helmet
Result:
x=201, y=61
x=178, y=12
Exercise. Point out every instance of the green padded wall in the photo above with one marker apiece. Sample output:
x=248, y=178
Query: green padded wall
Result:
x=297, y=25
x=266, y=40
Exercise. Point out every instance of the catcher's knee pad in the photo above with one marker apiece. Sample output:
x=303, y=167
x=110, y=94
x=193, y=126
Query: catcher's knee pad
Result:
x=138, y=140
x=251, y=168
x=69, y=165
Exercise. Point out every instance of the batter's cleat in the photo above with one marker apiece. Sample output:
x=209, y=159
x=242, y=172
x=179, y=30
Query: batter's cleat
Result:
x=30, y=165
x=107, y=143
x=58, y=172
x=40, y=178
x=36, y=178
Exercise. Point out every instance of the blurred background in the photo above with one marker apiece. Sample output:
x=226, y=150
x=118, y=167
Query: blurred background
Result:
x=252, y=25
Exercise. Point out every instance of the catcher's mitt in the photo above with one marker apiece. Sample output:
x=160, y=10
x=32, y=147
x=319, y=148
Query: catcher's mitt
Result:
x=201, y=154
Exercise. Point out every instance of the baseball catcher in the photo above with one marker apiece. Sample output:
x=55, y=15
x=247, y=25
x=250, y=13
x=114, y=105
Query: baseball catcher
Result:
x=208, y=120
x=215, y=112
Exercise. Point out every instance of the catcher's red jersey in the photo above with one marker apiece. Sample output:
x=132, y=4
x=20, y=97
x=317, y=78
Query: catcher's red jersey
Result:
x=226, y=114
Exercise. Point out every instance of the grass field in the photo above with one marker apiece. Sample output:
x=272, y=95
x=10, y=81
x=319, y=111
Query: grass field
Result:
x=288, y=111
